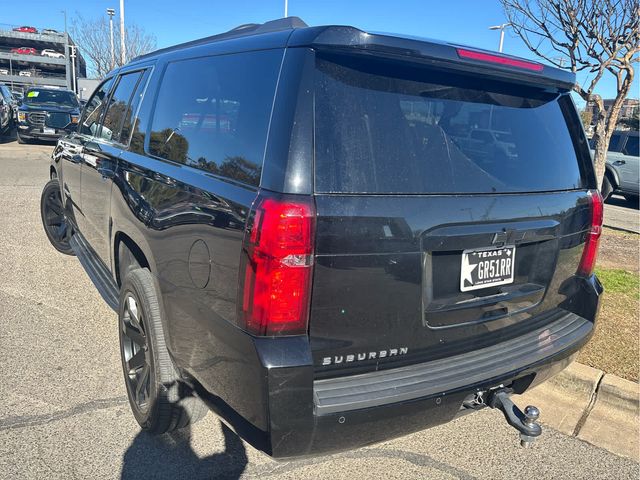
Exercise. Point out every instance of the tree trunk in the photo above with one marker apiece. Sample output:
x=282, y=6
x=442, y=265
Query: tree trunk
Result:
x=600, y=138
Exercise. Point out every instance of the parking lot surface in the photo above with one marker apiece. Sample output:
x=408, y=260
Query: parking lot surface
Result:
x=63, y=410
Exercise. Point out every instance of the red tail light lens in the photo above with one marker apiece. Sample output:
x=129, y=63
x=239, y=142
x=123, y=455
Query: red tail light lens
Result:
x=590, y=252
x=278, y=266
x=499, y=59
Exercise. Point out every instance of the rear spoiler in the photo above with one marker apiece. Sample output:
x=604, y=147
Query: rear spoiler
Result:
x=437, y=54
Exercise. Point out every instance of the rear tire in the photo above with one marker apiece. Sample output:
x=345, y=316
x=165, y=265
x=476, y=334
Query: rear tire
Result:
x=160, y=400
x=54, y=220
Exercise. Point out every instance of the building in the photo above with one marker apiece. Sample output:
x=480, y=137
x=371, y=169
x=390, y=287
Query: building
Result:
x=20, y=71
x=629, y=108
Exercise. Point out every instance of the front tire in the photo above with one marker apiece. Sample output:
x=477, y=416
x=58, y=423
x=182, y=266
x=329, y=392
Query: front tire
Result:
x=54, y=220
x=158, y=397
x=21, y=140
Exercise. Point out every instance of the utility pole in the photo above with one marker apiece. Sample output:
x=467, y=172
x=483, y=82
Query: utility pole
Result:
x=501, y=28
x=73, y=67
x=123, y=53
x=111, y=12
x=286, y=8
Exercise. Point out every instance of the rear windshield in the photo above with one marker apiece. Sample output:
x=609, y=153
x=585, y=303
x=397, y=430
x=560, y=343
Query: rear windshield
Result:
x=400, y=129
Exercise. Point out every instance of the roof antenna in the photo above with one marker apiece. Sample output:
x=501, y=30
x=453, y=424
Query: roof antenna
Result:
x=286, y=8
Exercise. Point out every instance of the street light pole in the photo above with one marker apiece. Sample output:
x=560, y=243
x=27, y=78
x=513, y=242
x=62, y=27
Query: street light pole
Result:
x=501, y=28
x=73, y=67
x=111, y=12
x=123, y=53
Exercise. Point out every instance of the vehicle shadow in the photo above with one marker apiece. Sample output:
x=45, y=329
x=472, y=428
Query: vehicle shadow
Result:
x=171, y=456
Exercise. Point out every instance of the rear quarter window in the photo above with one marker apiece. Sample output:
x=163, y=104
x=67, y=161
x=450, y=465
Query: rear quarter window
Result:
x=213, y=113
x=411, y=130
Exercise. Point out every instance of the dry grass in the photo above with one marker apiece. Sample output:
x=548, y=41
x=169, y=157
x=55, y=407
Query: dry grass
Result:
x=615, y=346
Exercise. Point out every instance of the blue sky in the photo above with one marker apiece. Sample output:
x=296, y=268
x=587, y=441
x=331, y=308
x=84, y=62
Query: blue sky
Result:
x=175, y=21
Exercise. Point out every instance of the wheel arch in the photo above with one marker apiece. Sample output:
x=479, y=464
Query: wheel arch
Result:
x=121, y=239
x=614, y=178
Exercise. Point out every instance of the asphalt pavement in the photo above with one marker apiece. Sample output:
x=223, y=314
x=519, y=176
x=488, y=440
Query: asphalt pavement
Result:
x=63, y=409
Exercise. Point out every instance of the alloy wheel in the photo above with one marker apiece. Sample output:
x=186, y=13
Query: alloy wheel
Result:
x=135, y=351
x=54, y=219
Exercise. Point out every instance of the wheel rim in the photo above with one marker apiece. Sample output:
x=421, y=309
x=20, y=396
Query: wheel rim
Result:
x=135, y=351
x=54, y=220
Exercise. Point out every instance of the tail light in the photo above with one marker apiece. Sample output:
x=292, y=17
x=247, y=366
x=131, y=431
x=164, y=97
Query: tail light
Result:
x=278, y=266
x=499, y=59
x=590, y=252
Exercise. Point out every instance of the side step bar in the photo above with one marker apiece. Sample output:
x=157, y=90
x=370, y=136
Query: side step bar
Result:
x=95, y=268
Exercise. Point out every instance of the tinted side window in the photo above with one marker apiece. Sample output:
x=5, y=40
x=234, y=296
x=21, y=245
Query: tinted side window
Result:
x=632, y=147
x=614, y=143
x=94, y=108
x=213, y=113
x=127, y=123
x=118, y=106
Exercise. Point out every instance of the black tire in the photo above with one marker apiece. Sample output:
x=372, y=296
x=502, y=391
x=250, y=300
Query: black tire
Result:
x=159, y=398
x=607, y=187
x=54, y=220
x=21, y=140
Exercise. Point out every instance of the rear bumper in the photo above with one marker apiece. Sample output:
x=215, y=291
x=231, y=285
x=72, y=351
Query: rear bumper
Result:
x=304, y=416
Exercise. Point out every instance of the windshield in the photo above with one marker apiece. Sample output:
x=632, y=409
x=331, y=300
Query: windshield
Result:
x=386, y=128
x=62, y=98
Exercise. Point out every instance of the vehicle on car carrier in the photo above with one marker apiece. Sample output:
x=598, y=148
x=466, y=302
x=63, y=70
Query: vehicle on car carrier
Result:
x=298, y=229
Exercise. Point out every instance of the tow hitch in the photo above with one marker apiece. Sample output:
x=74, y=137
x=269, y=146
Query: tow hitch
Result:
x=524, y=422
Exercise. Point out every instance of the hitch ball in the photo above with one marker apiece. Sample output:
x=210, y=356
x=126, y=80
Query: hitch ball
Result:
x=525, y=422
x=531, y=415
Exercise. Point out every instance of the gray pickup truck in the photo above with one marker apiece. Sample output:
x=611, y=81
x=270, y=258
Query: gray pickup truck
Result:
x=622, y=174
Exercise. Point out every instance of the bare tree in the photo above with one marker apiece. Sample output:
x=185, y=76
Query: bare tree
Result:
x=93, y=38
x=594, y=36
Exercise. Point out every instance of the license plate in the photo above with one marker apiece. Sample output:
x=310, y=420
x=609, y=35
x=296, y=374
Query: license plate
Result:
x=49, y=131
x=487, y=267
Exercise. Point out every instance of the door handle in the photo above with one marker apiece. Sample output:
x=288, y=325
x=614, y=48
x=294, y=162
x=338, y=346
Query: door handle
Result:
x=619, y=162
x=77, y=158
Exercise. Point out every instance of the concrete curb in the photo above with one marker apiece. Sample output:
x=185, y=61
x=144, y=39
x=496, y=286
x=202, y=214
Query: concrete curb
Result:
x=599, y=408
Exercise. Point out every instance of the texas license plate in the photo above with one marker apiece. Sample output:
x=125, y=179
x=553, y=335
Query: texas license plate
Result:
x=487, y=267
x=49, y=131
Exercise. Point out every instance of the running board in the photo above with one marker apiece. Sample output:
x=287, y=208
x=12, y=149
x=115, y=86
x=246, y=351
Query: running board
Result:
x=98, y=273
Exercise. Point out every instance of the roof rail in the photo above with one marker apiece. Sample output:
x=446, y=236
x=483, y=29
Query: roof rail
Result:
x=244, y=30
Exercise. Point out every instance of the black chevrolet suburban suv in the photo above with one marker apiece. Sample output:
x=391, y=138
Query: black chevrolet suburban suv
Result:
x=298, y=228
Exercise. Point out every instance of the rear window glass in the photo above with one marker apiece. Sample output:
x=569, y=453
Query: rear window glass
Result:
x=382, y=129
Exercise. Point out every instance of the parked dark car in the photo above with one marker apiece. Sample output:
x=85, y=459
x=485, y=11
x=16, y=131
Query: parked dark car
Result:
x=47, y=114
x=24, y=51
x=8, y=110
x=26, y=29
x=292, y=227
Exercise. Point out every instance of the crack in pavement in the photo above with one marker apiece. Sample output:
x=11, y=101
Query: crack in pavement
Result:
x=22, y=421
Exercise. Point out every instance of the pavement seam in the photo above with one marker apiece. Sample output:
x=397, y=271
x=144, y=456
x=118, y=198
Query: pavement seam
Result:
x=589, y=408
x=22, y=421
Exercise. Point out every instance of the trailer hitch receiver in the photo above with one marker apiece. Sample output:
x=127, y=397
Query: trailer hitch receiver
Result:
x=525, y=422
